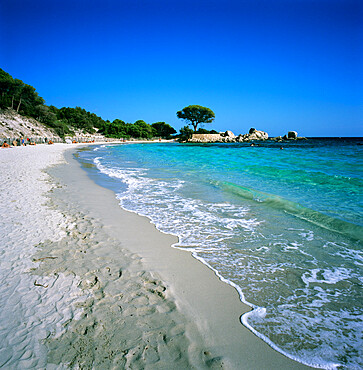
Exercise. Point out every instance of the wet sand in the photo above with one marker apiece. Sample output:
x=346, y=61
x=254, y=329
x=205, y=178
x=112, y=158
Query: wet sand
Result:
x=85, y=283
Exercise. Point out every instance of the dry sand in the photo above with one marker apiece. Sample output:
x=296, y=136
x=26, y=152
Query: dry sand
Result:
x=86, y=284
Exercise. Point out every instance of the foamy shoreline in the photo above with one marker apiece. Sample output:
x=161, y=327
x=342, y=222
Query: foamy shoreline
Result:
x=105, y=278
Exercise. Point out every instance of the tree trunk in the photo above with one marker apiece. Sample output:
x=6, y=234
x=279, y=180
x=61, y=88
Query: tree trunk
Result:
x=12, y=102
x=195, y=125
x=17, y=109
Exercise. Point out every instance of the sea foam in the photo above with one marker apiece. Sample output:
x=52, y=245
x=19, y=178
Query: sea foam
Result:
x=300, y=279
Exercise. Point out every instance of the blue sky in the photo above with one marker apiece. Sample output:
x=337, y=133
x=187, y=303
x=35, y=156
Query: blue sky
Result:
x=275, y=65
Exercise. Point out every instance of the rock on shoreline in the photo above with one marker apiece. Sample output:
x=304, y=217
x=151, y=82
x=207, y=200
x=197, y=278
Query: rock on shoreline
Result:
x=222, y=137
x=229, y=137
x=252, y=135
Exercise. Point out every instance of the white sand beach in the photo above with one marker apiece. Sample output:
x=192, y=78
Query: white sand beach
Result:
x=85, y=284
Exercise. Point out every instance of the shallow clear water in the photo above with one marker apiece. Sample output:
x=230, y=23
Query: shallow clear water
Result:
x=283, y=226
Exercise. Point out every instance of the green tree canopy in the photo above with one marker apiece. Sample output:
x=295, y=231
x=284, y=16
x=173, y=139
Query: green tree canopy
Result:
x=141, y=129
x=17, y=95
x=120, y=129
x=163, y=130
x=79, y=118
x=45, y=115
x=185, y=133
x=196, y=114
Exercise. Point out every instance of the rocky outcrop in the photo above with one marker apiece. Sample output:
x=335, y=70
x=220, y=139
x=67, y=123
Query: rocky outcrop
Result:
x=258, y=135
x=292, y=135
x=222, y=137
x=252, y=135
x=228, y=134
x=205, y=138
x=229, y=137
x=15, y=125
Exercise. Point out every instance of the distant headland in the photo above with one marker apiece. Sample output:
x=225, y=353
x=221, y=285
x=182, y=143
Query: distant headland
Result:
x=195, y=115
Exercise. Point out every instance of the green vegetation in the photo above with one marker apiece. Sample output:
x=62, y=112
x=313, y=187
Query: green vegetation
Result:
x=204, y=131
x=140, y=129
x=15, y=94
x=196, y=114
x=163, y=130
x=186, y=133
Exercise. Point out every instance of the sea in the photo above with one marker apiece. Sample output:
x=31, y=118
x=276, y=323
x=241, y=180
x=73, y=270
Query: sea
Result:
x=280, y=222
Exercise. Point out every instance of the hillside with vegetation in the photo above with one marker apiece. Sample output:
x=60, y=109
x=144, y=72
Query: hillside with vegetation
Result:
x=14, y=126
x=16, y=96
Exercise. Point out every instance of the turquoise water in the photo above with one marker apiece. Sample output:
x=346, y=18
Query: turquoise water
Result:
x=282, y=226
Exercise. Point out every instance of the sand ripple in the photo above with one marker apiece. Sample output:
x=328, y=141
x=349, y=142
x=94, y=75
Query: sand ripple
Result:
x=128, y=320
x=28, y=312
x=70, y=296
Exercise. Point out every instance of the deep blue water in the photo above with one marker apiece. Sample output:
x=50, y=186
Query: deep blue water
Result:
x=282, y=226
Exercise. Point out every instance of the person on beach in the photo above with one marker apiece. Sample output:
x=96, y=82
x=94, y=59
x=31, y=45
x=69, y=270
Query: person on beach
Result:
x=5, y=145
